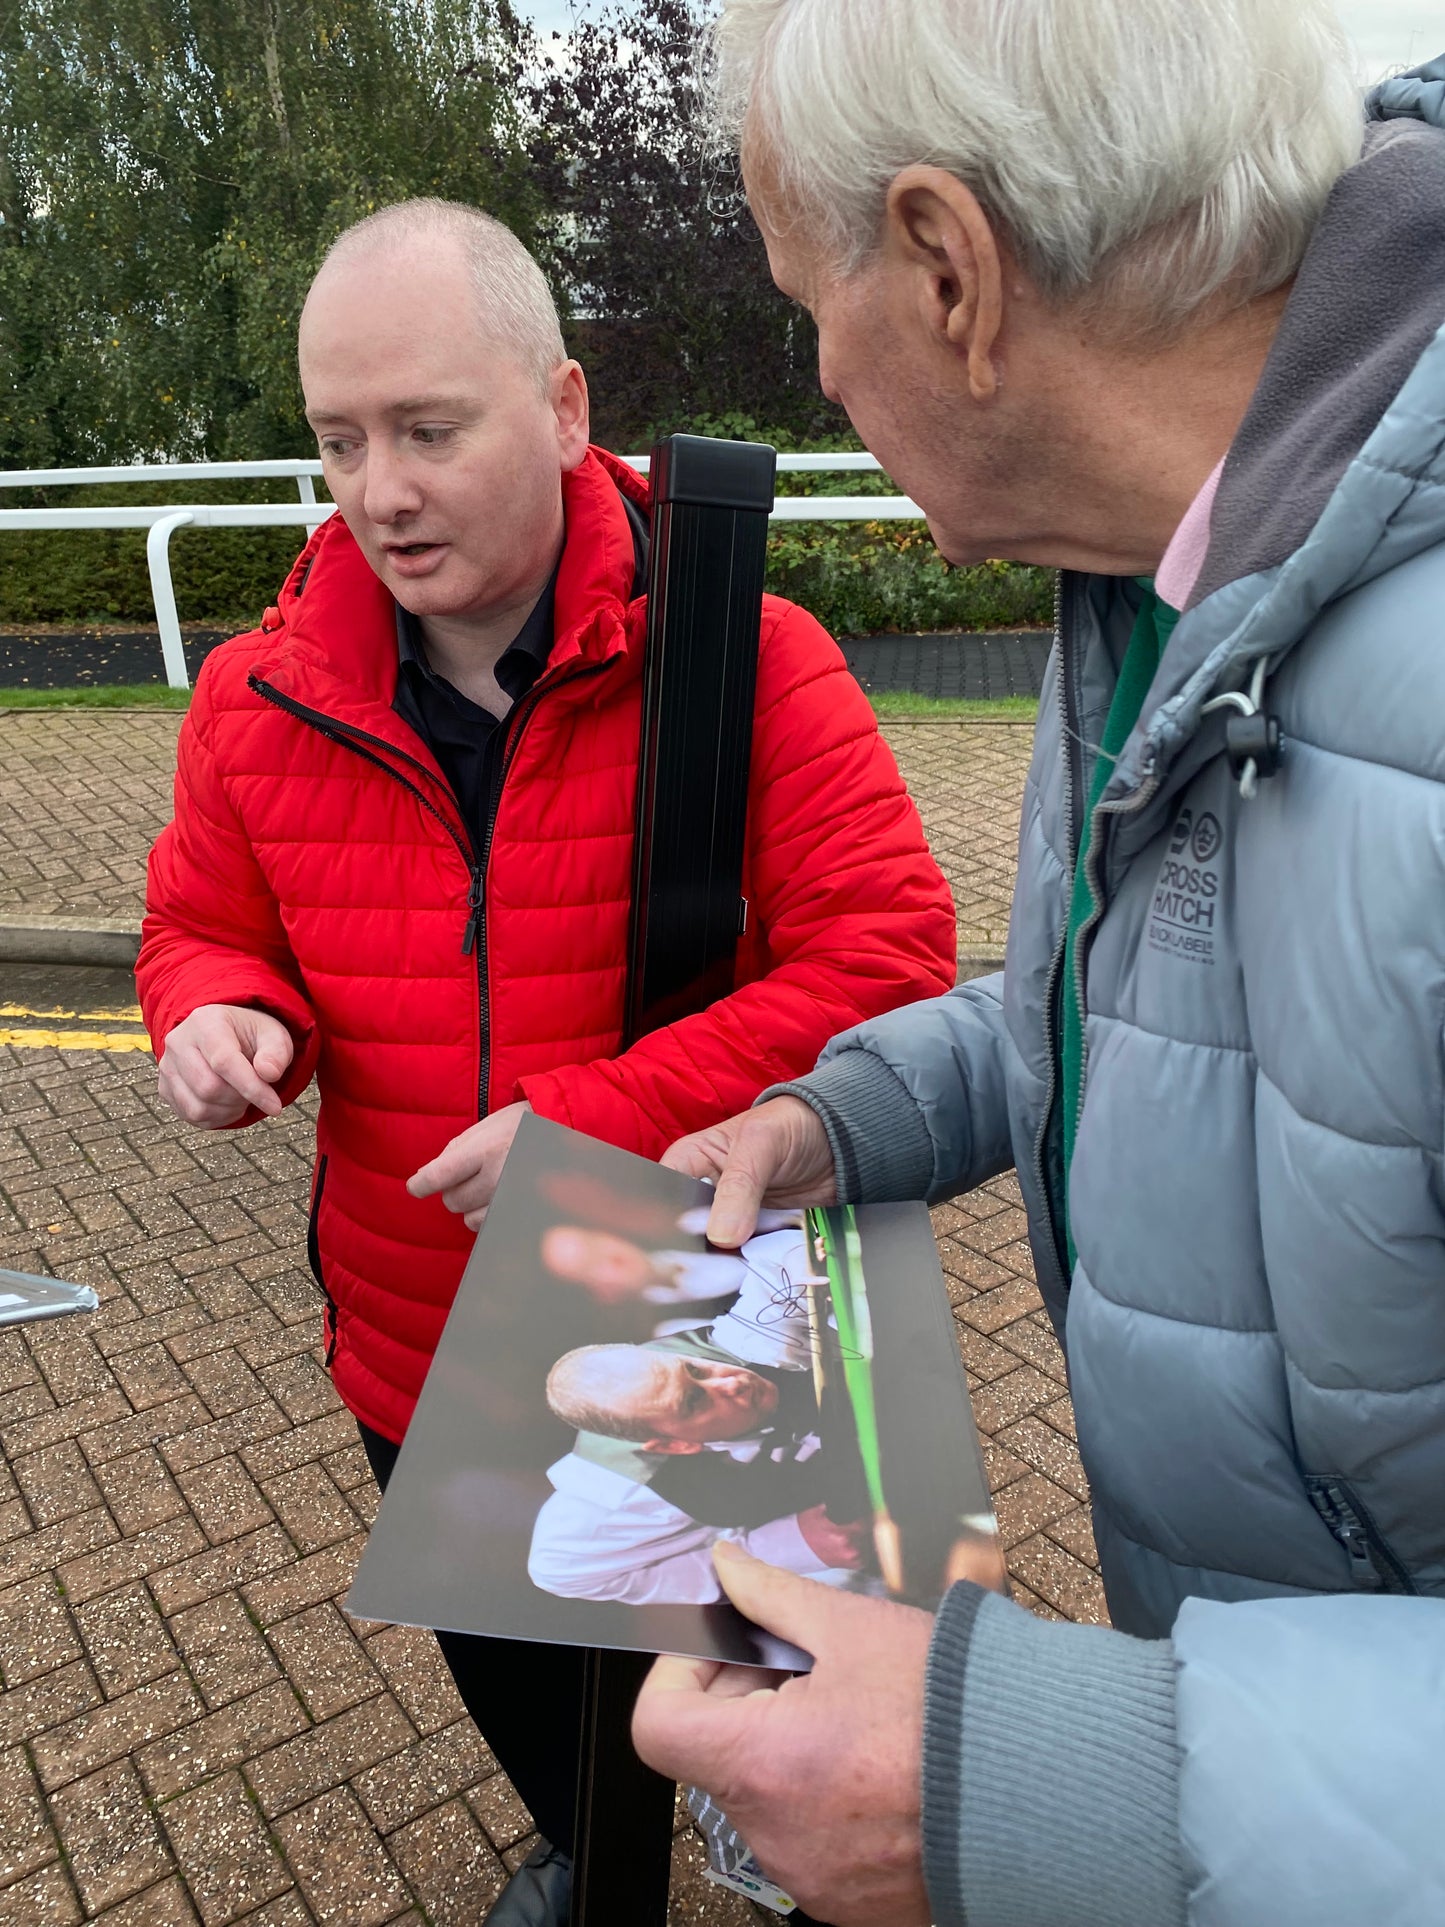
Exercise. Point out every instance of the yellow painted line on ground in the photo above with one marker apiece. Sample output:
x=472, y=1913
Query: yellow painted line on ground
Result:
x=106, y=1040
x=130, y=1015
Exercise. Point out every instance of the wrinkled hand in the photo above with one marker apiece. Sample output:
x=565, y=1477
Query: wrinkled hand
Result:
x=820, y=1775
x=466, y=1172
x=837, y=1546
x=777, y=1154
x=222, y=1062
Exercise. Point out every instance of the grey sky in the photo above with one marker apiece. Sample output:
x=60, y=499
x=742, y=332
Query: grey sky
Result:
x=1389, y=33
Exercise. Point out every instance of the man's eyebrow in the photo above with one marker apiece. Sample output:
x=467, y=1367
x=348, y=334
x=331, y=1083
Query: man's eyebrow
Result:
x=408, y=405
x=429, y=405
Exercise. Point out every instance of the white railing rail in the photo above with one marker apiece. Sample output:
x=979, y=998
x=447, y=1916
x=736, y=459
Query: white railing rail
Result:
x=307, y=468
x=161, y=520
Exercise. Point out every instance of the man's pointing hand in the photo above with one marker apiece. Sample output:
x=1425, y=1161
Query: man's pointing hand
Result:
x=466, y=1171
x=222, y=1061
x=821, y=1774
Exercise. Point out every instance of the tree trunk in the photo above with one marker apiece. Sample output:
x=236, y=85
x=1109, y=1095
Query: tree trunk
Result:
x=271, y=58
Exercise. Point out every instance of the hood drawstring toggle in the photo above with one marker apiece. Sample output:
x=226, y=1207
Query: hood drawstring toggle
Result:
x=1252, y=739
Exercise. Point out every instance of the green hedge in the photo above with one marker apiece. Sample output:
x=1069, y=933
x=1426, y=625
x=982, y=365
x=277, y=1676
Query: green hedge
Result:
x=857, y=578
x=224, y=577
x=876, y=578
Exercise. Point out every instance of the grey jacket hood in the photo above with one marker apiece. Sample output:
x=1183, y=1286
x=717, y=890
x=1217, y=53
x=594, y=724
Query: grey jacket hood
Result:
x=1300, y=518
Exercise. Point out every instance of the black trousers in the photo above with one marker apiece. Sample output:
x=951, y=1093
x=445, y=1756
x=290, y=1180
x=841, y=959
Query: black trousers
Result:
x=526, y=1700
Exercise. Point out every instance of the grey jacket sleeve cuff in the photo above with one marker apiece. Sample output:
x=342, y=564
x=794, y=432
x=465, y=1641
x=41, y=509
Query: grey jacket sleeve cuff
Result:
x=882, y=1149
x=1050, y=1773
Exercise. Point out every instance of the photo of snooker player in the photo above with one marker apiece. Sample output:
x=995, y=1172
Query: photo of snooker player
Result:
x=708, y=1430
x=613, y=1398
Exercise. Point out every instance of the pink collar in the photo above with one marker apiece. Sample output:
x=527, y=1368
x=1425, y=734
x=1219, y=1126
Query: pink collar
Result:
x=1183, y=563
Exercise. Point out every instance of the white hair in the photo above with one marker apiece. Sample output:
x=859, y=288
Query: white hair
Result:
x=515, y=305
x=1141, y=157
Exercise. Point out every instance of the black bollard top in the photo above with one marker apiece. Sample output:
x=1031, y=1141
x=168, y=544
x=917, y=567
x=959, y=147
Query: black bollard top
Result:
x=704, y=473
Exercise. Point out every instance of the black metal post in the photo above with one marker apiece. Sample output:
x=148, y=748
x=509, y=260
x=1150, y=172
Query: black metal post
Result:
x=710, y=506
x=624, y=1810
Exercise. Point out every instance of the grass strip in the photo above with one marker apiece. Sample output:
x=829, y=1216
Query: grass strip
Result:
x=903, y=705
x=144, y=695
x=889, y=705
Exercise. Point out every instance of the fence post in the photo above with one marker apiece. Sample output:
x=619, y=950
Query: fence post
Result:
x=163, y=594
x=306, y=489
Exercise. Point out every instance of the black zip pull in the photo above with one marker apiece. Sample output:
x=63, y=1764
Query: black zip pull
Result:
x=1333, y=1502
x=1363, y=1574
x=474, y=919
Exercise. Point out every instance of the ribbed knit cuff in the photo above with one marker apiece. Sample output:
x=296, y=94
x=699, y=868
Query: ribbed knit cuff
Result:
x=882, y=1151
x=1051, y=1773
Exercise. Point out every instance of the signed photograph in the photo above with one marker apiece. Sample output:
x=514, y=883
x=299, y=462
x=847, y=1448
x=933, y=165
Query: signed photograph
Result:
x=612, y=1396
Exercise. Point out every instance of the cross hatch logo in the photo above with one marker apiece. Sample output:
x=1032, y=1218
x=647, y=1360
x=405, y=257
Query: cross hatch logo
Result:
x=1186, y=894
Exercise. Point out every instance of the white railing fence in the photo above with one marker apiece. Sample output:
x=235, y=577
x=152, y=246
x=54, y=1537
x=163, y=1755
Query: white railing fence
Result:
x=162, y=520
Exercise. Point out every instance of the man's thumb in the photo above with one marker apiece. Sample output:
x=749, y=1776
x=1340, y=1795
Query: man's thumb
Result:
x=734, y=1215
x=796, y=1609
x=273, y=1051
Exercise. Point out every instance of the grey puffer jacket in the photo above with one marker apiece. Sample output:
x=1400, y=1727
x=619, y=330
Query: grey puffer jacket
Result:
x=1255, y=1325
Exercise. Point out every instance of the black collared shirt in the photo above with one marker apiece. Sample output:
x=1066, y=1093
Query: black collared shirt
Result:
x=466, y=739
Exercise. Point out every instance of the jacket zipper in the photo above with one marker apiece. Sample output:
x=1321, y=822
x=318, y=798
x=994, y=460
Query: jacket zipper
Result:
x=365, y=745
x=1373, y=1567
x=1093, y=874
x=313, y=1258
x=1056, y=966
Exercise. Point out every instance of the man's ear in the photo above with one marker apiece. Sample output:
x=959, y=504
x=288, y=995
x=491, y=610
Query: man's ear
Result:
x=573, y=409
x=672, y=1448
x=936, y=226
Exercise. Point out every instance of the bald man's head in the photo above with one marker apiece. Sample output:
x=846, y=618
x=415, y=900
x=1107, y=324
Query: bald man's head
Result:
x=514, y=309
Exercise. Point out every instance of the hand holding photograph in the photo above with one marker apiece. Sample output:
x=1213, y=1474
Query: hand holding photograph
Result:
x=612, y=1396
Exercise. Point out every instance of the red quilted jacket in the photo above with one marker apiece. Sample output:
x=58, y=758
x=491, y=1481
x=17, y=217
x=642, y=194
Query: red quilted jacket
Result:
x=317, y=867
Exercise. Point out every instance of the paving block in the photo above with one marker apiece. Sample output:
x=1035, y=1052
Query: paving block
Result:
x=344, y=1871
x=225, y=1851
x=112, y=1842
x=449, y=1864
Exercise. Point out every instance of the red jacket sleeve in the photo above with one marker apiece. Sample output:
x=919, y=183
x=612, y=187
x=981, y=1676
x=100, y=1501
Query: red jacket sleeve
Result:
x=850, y=915
x=212, y=932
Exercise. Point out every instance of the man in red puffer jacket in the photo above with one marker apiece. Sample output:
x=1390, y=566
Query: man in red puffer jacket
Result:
x=401, y=857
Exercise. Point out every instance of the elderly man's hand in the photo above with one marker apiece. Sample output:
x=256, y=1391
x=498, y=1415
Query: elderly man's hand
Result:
x=777, y=1154
x=820, y=1775
x=466, y=1172
x=221, y=1062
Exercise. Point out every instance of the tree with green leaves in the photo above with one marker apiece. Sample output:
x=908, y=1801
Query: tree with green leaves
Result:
x=171, y=171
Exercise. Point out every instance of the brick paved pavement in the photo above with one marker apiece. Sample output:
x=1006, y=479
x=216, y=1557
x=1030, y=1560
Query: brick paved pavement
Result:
x=190, y=1729
x=968, y=782
x=84, y=793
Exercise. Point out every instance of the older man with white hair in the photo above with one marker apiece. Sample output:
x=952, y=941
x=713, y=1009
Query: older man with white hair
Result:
x=1140, y=288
